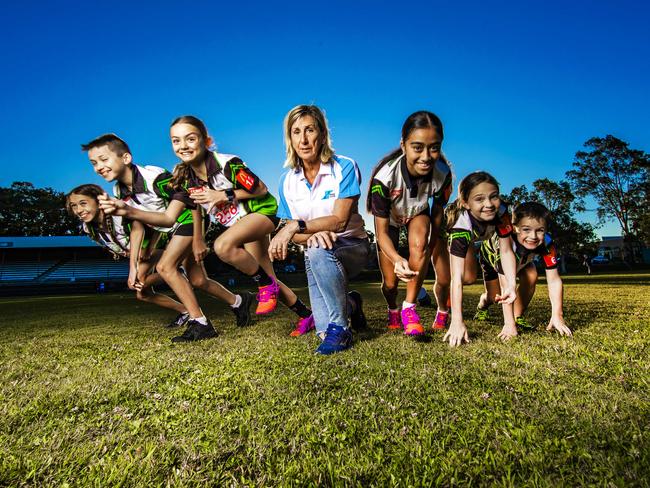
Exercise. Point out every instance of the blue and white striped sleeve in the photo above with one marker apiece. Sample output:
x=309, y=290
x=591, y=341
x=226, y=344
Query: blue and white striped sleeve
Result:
x=351, y=178
x=283, y=206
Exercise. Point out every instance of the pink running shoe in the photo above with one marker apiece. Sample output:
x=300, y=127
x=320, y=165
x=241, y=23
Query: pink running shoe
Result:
x=393, y=320
x=441, y=321
x=303, y=326
x=411, y=322
x=267, y=298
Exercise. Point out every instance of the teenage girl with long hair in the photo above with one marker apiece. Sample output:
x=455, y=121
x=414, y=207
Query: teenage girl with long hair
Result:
x=401, y=186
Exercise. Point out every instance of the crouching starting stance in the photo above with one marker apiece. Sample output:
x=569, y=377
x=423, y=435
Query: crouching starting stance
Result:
x=530, y=222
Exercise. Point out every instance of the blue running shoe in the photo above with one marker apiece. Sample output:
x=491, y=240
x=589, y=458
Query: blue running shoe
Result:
x=337, y=339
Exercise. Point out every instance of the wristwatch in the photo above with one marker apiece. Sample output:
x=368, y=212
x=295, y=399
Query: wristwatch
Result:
x=302, y=226
x=230, y=193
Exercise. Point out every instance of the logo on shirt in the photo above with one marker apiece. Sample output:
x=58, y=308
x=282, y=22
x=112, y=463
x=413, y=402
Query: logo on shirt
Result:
x=245, y=179
x=378, y=190
x=328, y=194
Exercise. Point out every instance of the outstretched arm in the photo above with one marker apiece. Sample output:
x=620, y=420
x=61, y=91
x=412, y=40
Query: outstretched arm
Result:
x=114, y=206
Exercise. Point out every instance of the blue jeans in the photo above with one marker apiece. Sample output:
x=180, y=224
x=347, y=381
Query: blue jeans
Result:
x=328, y=271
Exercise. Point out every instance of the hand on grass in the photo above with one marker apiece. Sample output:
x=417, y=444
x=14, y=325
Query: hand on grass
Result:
x=324, y=239
x=508, y=332
x=558, y=324
x=457, y=333
x=403, y=272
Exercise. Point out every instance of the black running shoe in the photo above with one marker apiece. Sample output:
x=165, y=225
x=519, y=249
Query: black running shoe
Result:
x=196, y=331
x=243, y=313
x=357, y=317
x=182, y=319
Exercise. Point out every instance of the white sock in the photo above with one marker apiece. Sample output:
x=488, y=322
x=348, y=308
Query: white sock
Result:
x=202, y=320
x=441, y=311
x=237, y=301
x=407, y=305
x=393, y=310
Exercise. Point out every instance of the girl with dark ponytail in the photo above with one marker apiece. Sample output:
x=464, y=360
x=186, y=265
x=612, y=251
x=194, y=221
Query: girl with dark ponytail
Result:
x=401, y=186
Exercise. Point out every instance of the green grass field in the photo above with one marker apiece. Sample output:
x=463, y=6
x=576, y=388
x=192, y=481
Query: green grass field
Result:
x=92, y=392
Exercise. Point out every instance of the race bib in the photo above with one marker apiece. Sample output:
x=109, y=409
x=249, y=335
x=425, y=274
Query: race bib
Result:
x=226, y=214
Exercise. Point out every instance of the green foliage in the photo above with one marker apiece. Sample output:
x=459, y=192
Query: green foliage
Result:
x=29, y=211
x=92, y=393
x=612, y=174
x=569, y=235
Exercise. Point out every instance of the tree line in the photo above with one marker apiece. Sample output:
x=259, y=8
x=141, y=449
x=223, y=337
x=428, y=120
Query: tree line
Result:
x=608, y=170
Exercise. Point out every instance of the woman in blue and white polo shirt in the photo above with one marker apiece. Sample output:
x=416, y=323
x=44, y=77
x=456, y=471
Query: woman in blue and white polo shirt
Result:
x=319, y=201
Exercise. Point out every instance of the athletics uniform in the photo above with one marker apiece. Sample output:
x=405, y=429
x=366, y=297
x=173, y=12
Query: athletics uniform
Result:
x=467, y=230
x=229, y=172
x=399, y=197
x=152, y=192
x=115, y=238
x=490, y=256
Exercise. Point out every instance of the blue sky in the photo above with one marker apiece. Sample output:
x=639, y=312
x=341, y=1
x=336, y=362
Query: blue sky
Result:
x=519, y=85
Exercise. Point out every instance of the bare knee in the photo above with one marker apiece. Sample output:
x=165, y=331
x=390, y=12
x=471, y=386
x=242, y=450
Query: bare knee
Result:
x=443, y=281
x=223, y=249
x=144, y=295
x=418, y=249
x=389, y=286
x=166, y=269
x=469, y=278
x=199, y=281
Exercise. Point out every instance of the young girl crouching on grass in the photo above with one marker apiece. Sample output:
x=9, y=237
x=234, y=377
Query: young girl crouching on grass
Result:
x=476, y=215
x=530, y=240
x=240, y=203
x=235, y=198
x=400, y=189
x=118, y=236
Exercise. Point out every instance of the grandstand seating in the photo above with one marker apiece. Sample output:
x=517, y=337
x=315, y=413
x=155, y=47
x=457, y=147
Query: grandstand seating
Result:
x=25, y=270
x=90, y=269
x=58, y=271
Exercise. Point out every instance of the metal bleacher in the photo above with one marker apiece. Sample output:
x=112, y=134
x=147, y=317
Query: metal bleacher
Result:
x=89, y=269
x=26, y=270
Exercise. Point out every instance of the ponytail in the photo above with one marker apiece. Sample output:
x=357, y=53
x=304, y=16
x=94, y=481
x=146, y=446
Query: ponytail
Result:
x=394, y=154
x=180, y=176
x=452, y=212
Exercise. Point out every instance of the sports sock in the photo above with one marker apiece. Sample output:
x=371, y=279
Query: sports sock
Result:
x=203, y=320
x=407, y=305
x=393, y=310
x=300, y=309
x=261, y=278
x=237, y=301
